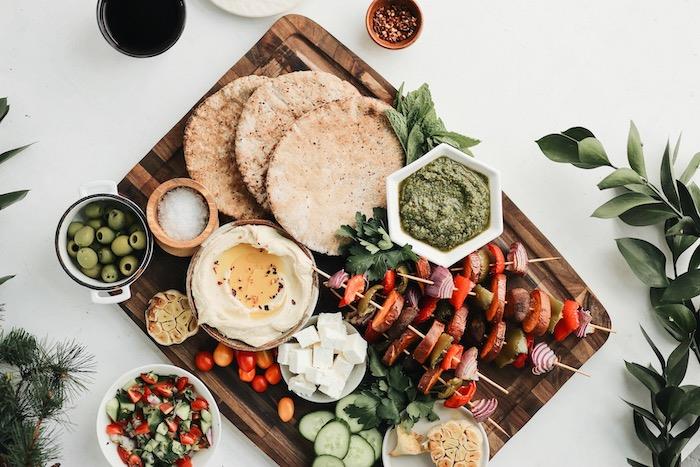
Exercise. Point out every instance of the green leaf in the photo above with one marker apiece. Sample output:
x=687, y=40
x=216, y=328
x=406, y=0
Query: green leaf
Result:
x=646, y=261
x=620, y=177
x=4, y=279
x=695, y=259
x=4, y=107
x=692, y=168
x=8, y=199
x=388, y=411
x=668, y=182
x=694, y=192
x=399, y=125
x=678, y=364
x=559, y=148
x=578, y=133
x=676, y=238
x=635, y=155
x=671, y=455
x=376, y=367
x=684, y=287
x=677, y=319
x=647, y=214
x=656, y=350
x=645, y=435
x=649, y=378
x=644, y=189
x=687, y=202
x=691, y=404
x=591, y=152
x=13, y=152
x=414, y=144
x=634, y=463
x=621, y=204
x=667, y=399
x=644, y=413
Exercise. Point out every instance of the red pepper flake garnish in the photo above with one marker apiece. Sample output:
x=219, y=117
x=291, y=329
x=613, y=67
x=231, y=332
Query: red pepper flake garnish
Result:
x=394, y=23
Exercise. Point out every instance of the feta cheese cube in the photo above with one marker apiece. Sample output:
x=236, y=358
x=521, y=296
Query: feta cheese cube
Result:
x=355, y=349
x=333, y=337
x=322, y=357
x=330, y=320
x=317, y=376
x=333, y=387
x=299, y=360
x=307, y=336
x=301, y=385
x=341, y=368
x=283, y=352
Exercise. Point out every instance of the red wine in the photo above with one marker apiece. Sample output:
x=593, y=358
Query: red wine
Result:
x=141, y=28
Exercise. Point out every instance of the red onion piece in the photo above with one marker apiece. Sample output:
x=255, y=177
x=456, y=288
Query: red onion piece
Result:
x=517, y=257
x=210, y=437
x=584, y=319
x=153, y=399
x=337, y=280
x=482, y=409
x=543, y=359
x=467, y=368
x=412, y=296
x=443, y=285
x=474, y=261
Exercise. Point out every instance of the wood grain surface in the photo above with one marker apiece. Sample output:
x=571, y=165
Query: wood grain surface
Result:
x=297, y=43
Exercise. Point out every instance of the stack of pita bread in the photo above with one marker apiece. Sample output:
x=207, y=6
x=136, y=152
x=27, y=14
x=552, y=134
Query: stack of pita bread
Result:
x=305, y=147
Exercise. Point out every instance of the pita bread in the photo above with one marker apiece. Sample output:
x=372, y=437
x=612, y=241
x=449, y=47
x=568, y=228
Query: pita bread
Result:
x=331, y=163
x=209, y=143
x=270, y=111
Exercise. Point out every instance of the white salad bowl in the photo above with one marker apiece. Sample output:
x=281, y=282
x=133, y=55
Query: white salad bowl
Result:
x=444, y=258
x=109, y=449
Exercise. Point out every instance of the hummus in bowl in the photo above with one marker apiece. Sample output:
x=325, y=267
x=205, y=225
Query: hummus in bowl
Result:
x=251, y=285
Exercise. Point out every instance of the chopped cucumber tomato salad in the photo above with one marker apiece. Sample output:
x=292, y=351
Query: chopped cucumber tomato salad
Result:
x=158, y=421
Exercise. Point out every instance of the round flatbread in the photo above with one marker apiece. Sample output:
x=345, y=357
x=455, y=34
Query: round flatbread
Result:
x=269, y=113
x=209, y=144
x=331, y=163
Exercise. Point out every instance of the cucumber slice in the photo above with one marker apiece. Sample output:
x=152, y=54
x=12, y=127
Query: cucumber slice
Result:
x=204, y=426
x=112, y=407
x=206, y=415
x=327, y=461
x=311, y=423
x=183, y=411
x=516, y=343
x=374, y=438
x=333, y=439
x=356, y=399
x=360, y=453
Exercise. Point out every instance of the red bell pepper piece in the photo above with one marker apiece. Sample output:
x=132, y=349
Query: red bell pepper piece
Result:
x=354, y=285
x=462, y=396
x=462, y=288
x=389, y=281
x=452, y=357
x=520, y=360
x=370, y=335
x=569, y=321
x=499, y=261
x=426, y=311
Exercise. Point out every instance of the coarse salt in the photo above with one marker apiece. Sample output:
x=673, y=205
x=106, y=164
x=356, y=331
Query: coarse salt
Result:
x=182, y=213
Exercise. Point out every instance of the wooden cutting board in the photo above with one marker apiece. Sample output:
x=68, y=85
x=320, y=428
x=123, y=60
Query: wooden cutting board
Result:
x=296, y=43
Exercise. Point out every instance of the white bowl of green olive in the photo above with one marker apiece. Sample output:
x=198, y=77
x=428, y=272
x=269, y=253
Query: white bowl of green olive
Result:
x=103, y=242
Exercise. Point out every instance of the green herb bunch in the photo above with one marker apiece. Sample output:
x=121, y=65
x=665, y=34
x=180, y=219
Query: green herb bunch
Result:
x=675, y=207
x=418, y=127
x=396, y=399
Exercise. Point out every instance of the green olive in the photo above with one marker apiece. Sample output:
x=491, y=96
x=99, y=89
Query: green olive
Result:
x=109, y=273
x=73, y=227
x=105, y=235
x=84, y=236
x=116, y=220
x=95, y=223
x=87, y=258
x=94, y=210
x=72, y=248
x=120, y=246
x=137, y=227
x=128, y=265
x=137, y=240
x=105, y=255
x=93, y=272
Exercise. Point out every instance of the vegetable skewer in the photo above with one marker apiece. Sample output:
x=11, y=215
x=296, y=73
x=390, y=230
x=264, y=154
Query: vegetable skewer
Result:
x=508, y=263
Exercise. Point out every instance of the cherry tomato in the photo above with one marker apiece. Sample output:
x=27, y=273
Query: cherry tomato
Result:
x=264, y=359
x=246, y=360
x=184, y=462
x=273, y=375
x=186, y=438
x=115, y=429
x=172, y=425
x=163, y=388
x=181, y=383
x=134, y=461
x=246, y=376
x=134, y=394
x=204, y=361
x=285, y=409
x=199, y=404
x=123, y=454
x=149, y=378
x=166, y=407
x=142, y=429
x=223, y=355
x=196, y=432
x=259, y=383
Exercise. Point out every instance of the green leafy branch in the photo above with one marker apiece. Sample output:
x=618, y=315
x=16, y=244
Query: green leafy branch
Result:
x=675, y=206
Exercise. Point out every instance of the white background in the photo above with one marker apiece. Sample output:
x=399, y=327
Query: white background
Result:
x=503, y=71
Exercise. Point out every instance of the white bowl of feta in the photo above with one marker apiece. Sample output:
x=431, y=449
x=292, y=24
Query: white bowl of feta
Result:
x=325, y=361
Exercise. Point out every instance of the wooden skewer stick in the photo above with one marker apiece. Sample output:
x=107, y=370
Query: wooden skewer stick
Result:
x=570, y=368
x=508, y=263
x=602, y=328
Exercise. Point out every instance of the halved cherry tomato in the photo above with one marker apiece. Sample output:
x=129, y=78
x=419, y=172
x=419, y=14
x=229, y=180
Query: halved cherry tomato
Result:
x=498, y=302
x=259, y=383
x=163, y=388
x=199, y=404
x=246, y=376
x=115, y=429
x=499, y=261
x=246, y=360
x=285, y=409
x=462, y=288
x=187, y=439
x=142, y=429
x=264, y=358
x=389, y=282
x=184, y=462
x=134, y=461
x=172, y=425
x=134, y=394
x=166, y=407
x=149, y=378
x=569, y=320
x=452, y=357
x=146, y=391
x=123, y=454
x=462, y=396
x=273, y=375
x=196, y=432
x=204, y=360
x=181, y=383
x=426, y=310
x=223, y=355
x=354, y=285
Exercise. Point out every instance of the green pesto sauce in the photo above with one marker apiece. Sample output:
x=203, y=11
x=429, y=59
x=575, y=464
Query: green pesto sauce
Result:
x=444, y=204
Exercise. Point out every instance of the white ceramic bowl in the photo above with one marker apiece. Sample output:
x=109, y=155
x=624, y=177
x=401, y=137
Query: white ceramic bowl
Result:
x=422, y=427
x=445, y=258
x=354, y=380
x=109, y=449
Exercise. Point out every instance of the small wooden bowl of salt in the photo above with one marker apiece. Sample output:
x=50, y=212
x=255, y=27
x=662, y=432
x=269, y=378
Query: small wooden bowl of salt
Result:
x=181, y=214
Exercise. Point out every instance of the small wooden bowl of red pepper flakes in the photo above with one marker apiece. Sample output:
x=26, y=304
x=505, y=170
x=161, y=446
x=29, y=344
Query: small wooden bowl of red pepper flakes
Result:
x=394, y=24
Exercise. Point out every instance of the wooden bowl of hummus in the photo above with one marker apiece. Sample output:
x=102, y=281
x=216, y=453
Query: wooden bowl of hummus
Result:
x=251, y=285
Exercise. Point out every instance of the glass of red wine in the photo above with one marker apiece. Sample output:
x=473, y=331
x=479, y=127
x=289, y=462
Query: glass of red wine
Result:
x=141, y=28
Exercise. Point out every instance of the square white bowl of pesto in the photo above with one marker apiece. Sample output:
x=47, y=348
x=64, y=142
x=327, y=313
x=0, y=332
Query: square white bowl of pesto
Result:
x=445, y=205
